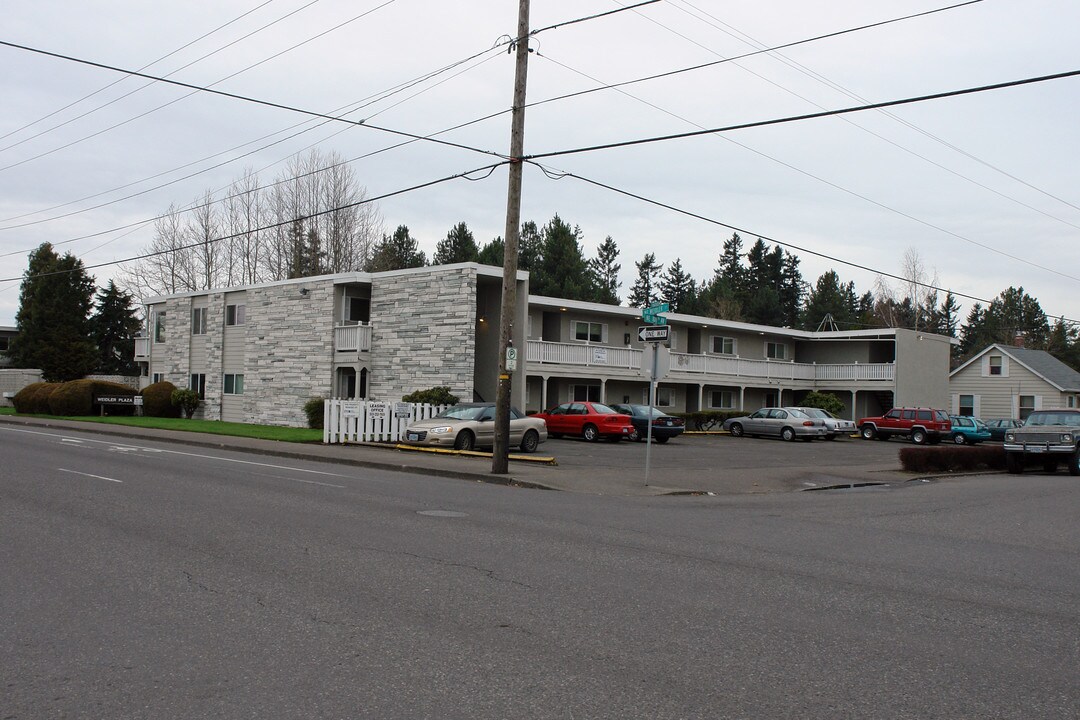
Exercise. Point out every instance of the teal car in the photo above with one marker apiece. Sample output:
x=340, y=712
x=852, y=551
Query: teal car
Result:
x=967, y=430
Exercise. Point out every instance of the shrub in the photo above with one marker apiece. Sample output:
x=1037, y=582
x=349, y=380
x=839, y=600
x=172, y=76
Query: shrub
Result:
x=432, y=396
x=157, y=400
x=826, y=401
x=34, y=398
x=707, y=419
x=186, y=400
x=76, y=397
x=313, y=408
x=953, y=458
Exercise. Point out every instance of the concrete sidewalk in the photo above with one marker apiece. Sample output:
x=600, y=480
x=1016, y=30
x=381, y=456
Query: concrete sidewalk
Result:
x=599, y=479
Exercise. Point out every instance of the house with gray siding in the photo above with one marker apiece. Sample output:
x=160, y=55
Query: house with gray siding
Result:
x=1010, y=382
x=258, y=353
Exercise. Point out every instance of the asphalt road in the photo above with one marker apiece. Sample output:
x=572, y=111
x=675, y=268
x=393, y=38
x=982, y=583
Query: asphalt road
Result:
x=147, y=580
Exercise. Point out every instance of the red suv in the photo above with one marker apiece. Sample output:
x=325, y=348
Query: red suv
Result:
x=922, y=425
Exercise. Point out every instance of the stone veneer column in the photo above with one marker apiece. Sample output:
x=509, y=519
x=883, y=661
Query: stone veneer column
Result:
x=176, y=356
x=215, y=343
x=289, y=351
x=423, y=333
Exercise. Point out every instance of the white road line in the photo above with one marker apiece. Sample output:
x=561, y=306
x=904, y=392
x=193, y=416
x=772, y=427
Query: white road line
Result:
x=188, y=454
x=97, y=477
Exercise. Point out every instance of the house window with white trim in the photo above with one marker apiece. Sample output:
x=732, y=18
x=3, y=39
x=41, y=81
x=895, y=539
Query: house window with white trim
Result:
x=197, y=382
x=722, y=399
x=159, y=327
x=198, y=321
x=995, y=365
x=1070, y=401
x=234, y=384
x=585, y=393
x=157, y=377
x=591, y=332
x=1026, y=405
x=967, y=405
x=235, y=314
x=776, y=351
x=723, y=345
x=665, y=396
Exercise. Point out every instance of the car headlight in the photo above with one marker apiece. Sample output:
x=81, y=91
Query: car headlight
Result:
x=1010, y=437
x=440, y=430
x=1066, y=438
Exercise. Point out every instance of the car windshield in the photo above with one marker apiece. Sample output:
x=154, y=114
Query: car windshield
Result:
x=643, y=410
x=466, y=412
x=602, y=409
x=817, y=413
x=1036, y=419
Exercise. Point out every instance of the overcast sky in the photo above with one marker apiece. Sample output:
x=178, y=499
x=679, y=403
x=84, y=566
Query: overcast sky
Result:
x=966, y=181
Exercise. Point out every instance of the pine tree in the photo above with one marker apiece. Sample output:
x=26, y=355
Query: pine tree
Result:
x=646, y=289
x=53, y=320
x=564, y=271
x=115, y=326
x=677, y=287
x=396, y=252
x=530, y=247
x=493, y=253
x=457, y=247
x=829, y=296
x=605, y=272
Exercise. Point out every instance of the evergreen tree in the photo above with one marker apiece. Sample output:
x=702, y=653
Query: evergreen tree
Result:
x=307, y=257
x=605, y=272
x=677, y=288
x=530, y=247
x=829, y=296
x=457, y=247
x=115, y=326
x=564, y=271
x=646, y=289
x=396, y=252
x=792, y=290
x=53, y=320
x=493, y=253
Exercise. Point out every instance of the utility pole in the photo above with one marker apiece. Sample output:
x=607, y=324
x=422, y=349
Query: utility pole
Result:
x=508, y=310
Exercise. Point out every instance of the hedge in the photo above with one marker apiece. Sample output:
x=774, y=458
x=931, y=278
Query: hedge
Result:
x=76, y=397
x=953, y=458
x=34, y=398
x=157, y=400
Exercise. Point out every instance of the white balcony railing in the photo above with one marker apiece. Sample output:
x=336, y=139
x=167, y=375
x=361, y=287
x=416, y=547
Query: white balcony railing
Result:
x=352, y=338
x=142, y=348
x=541, y=352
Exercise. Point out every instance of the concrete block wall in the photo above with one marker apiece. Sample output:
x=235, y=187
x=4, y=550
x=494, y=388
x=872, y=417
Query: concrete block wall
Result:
x=289, y=351
x=423, y=333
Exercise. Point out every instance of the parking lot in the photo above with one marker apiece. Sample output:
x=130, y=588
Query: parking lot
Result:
x=724, y=464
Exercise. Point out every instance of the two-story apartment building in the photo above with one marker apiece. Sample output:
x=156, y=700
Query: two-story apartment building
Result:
x=257, y=353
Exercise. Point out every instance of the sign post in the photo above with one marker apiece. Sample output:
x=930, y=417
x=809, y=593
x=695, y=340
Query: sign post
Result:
x=656, y=366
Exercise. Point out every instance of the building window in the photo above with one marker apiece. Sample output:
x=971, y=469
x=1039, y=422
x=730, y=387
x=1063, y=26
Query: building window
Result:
x=157, y=377
x=967, y=405
x=776, y=351
x=198, y=321
x=589, y=332
x=585, y=393
x=235, y=314
x=159, y=327
x=995, y=364
x=198, y=384
x=665, y=396
x=723, y=399
x=1070, y=401
x=4, y=343
x=234, y=384
x=1027, y=406
x=723, y=345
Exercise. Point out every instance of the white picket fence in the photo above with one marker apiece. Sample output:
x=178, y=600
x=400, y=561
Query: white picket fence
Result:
x=347, y=421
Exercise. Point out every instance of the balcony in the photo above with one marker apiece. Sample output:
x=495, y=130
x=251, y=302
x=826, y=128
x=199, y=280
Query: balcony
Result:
x=352, y=338
x=540, y=352
x=142, y=348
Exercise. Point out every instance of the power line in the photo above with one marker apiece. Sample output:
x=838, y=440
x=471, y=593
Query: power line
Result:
x=558, y=175
x=807, y=116
x=462, y=175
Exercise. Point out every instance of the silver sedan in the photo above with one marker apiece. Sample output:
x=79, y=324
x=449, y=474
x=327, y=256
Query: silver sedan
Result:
x=785, y=423
x=836, y=426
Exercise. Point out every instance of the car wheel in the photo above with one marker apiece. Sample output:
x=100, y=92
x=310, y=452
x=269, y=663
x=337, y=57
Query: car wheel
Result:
x=1074, y=464
x=959, y=438
x=736, y=430
x=868, y=432
x=918, y=436
x=634, y=435
x=1014, y=463
x=661, y=440
x=590, y=433
x=530, y=441
x=465, y=440
x=787, y=434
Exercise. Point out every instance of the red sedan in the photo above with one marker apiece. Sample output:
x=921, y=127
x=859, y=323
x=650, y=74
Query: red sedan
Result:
x=590, y=420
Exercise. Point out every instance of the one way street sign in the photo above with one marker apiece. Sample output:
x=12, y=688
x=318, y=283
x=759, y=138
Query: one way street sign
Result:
x=647, y=333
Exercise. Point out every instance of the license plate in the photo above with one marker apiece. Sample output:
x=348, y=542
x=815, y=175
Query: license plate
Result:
x=1035, y=449
x=414, y=436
